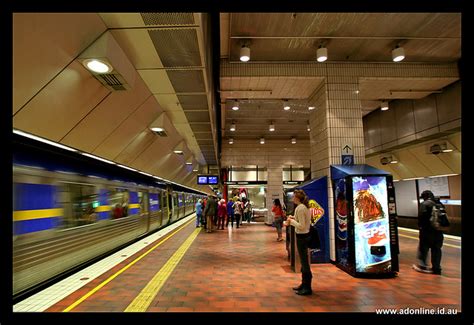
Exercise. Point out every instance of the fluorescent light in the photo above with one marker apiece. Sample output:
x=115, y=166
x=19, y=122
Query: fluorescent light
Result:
x=34, y=137
x=244, y=54
x=394, y=162
x=126, y=167
x=98, y=158
x=98, y=66
x=189, y=163
x=179, y=152
x=412, y=179
x=398, y=54
x=447, y=150
x=443, y=175
x=156, y=129
x=195, y=170
x=311, y=108
x=322, y=54
x=146, y=174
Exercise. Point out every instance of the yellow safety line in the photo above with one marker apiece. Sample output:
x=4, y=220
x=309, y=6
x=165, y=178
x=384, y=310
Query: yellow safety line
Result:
x=146, y=296
x=90, y=293
x=418, y=238
x=445, y=238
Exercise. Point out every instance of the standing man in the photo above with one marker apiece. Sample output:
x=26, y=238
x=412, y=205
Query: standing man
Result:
x=430, y=238
x=209, y=212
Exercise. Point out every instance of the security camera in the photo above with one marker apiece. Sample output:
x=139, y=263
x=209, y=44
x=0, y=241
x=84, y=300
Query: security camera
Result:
x=436, y=149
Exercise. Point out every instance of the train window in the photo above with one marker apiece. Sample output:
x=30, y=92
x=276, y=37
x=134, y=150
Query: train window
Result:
x=118, y=200
x=80, y=202
x=142, y=200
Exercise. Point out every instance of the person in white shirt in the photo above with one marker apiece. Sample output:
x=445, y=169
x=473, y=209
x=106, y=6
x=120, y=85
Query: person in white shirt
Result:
x=302, y=221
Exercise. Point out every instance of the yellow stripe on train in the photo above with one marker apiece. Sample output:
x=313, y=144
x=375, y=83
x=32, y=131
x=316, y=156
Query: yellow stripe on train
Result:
x=133, y=206
x=103, y=208
x=23, y=215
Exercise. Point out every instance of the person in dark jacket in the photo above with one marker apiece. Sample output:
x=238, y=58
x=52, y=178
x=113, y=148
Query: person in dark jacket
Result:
x=430, y=238
x=209, y=212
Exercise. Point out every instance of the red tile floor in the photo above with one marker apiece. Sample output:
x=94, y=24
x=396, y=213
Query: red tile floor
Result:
x=246, y=270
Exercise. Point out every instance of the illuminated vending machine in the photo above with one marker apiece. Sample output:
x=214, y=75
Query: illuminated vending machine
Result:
x=365, y=221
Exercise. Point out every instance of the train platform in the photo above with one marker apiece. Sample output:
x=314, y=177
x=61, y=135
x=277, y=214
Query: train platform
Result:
x=184, y=269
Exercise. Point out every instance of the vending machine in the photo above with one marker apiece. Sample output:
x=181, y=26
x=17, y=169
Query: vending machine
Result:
x=365, y=221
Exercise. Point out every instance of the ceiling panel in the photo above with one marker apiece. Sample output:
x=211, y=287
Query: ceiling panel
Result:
x=187, y=81
x=136, y=123
x=177, y=47
x=140, y=143
x=63, y=103
x=107, y=116
x=194, y=116
x=122, y=20
x=46, y=43
x=200, y=127
x=157, y=81
x=193, y=102
x=402, y=88
x=136, y=43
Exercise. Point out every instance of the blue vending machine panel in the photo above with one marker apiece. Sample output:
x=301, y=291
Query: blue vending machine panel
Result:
x=371, y=224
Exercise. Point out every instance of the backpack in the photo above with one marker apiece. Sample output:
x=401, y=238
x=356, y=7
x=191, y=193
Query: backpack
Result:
x=439, y=217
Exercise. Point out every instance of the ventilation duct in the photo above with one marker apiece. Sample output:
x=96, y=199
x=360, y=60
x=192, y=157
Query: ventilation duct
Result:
x=106, y=50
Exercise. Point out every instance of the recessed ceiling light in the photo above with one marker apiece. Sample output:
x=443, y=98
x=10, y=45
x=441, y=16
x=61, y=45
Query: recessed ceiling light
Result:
x=262, y=140
x=157, y=129
x=384, y=105
x=231, y=141
x=98, y=66
x=311, y=108
x=293, y=140
x=178, y=152
x=235, y=107
x=272, y=127
x=232, y=127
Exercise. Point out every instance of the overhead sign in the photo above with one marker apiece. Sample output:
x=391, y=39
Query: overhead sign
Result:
x=207, y=179
x=347, y=157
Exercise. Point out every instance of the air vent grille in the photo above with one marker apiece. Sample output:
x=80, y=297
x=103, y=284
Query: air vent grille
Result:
x=161, y=133
x=110, y=79
x=167, y=18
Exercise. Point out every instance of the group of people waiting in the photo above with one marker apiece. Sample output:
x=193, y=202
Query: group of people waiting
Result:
x=213, y=214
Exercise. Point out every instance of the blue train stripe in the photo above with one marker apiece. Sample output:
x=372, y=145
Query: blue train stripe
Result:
x=133, y=197
x=26, y=226
x=34, y=196
x=103, y=215
x=133, y=211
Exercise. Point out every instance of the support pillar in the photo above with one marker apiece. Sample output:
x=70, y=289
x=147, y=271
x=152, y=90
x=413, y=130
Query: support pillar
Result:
x=336, y=120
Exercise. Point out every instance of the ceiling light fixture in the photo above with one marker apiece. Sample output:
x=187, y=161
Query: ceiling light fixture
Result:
x=308, y=127
x=322, y=54
x=398, y=54
x=97, y=66
x=157, y=129
x=311, y=108
x=232, y=127
x=244, y=53
x=272, y=127
x=262, y=140
x=293, y=140
x=384, y=105
x=235, y=107
x=286, y=106
x=231, y=141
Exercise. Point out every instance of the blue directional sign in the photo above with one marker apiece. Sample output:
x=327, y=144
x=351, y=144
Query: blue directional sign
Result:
x=347, y=158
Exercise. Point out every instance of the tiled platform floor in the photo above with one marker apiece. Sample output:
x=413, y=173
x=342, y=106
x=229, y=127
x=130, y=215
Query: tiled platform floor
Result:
x=246, y=270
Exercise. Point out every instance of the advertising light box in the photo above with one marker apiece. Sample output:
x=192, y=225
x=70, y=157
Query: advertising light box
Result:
x=371, y=222
x=213, y=180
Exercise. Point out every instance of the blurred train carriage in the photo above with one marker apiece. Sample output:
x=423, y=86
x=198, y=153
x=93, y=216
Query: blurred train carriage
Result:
x=65, y=217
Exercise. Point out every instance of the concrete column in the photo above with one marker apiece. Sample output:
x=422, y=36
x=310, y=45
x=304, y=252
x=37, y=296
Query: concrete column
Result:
x=274, y=188
x=336, y=120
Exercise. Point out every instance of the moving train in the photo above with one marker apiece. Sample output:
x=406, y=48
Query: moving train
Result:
x=69, y=212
